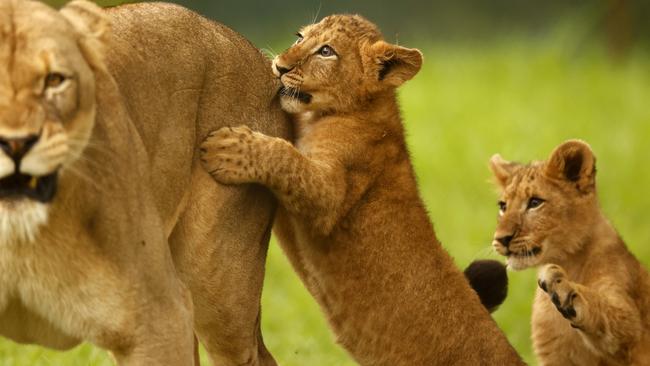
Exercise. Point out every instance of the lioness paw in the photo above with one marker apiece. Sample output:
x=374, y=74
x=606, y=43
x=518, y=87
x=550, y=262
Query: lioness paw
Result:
x=554, y=281
x=228, y=154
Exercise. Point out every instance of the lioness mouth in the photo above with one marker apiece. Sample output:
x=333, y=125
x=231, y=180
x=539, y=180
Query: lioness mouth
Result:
x=37, y=188
x=296, y=94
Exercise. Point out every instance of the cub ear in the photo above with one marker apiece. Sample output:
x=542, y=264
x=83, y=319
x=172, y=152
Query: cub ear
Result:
x=391, y=64
x=573, y=161
x=93, y=26
x=502, y=169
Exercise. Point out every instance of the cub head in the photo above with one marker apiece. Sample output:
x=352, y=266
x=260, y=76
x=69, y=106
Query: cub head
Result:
x=546, y=208
x=339, y=63
x=47, y=104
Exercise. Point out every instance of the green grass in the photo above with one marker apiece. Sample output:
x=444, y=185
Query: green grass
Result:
x=520, y=98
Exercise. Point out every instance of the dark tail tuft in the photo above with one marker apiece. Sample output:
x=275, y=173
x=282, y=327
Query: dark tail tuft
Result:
x=490, y=281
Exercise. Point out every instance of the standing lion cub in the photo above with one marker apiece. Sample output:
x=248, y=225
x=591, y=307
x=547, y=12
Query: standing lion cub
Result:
x=593, y=302
x=351, y=219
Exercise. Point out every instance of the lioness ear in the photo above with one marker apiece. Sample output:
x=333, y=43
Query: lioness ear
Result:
x=573, y=161
x=391, y=64
x=502, y=169
x=93, y=26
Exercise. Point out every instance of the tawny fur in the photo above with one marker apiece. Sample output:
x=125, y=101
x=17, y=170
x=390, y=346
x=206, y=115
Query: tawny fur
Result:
x=136, y=221
x=351, y=220
x=592, y=306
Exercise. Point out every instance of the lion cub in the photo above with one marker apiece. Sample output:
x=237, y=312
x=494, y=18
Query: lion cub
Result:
x=351, y=220
x=593, y=302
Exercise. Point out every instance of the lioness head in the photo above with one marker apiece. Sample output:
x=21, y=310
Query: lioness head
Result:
x=339, y=63
x=545, y=208
x=47, y=104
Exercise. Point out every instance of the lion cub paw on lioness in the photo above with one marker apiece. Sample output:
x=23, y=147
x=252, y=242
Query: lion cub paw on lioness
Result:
x=593, y=302
x=232, y=154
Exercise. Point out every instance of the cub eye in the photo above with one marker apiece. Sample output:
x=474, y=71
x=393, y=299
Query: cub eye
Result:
x=54, y=79
x=326, y=51
x=300, y=38
x=502, y=206
x=534, y=202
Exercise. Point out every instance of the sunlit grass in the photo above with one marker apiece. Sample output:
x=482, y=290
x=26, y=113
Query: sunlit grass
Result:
x=517, y=97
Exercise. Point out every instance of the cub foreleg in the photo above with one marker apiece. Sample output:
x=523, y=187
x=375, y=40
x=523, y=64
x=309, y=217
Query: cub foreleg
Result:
x=604, y=315
x=306, y=186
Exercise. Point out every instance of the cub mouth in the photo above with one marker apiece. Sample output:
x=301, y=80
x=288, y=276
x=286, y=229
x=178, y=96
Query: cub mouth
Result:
x=20, y=185
x=295, y=94
x=524, y=253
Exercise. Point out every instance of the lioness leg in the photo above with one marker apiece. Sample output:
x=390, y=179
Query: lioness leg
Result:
x=163, y=332
x=219, y=246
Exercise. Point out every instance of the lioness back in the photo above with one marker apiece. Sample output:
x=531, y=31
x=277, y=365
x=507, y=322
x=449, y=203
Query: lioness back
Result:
x=592, y=306
x=176, y=68
x=351, y=219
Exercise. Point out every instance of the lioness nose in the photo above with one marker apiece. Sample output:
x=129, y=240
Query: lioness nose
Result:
x=505, y=240
x=16, y=148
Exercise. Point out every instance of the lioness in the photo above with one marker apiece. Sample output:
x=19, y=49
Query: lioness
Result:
x=351, y=219
x=593, y=302
x=111, y=231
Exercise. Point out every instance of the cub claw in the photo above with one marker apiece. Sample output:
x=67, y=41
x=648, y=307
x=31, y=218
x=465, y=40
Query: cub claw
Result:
x=228, y=155
x=552, y=280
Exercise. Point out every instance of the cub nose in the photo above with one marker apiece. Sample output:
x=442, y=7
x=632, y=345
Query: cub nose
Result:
x=282, y=70
x=16, y=148
x=505, y=240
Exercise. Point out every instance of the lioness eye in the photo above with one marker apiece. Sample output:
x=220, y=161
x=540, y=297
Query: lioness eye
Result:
x=502, y=206
x=326, y=51
x=534, y=202
x=54, y=79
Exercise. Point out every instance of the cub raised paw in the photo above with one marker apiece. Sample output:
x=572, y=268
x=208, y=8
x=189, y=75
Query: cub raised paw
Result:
x=229, y=154
x=554, y=281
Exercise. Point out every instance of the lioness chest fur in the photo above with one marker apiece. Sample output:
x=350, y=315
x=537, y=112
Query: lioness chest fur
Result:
x=593, y=302
x=351, y=220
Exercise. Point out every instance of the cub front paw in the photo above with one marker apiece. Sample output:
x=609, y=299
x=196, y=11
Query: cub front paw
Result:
x=554, y=281
x=228, y=154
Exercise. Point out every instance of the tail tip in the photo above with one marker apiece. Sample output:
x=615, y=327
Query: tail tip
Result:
x=490, y=281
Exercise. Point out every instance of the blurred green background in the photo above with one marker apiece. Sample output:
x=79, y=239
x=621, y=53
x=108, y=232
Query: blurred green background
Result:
x=515, y=77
